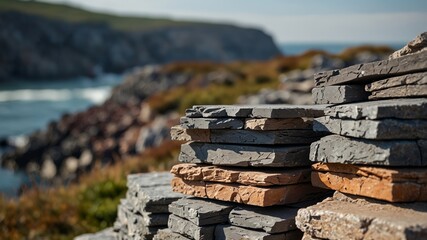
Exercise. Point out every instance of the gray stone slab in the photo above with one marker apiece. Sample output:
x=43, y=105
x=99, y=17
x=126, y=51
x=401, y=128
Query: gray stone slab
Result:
x=400, y=92
x=368, y=72
x=225, y=232
x=409, y=79
x=269, y=219
x=339, y=149
x=339, y=94
x=349, y=217
x=152, y=199
x=402, y=108
x=189, y=229
x=138, y=230
x=392, y=129
x=212, y=123
x=256, y=111
x=106, y=234
x=167, y=234
x=244, y=155
x=149, y=179
x=201, y=211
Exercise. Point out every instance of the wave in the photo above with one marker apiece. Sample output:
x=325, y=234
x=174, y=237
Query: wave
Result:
x=95, y=95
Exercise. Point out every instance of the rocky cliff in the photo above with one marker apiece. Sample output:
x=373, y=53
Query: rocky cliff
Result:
x=37, y=47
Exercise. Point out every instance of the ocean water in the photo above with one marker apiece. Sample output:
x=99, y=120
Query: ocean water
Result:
x=335, y=48
x=27, y=106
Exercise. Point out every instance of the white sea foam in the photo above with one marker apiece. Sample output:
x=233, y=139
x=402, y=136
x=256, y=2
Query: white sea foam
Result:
x=95, y=95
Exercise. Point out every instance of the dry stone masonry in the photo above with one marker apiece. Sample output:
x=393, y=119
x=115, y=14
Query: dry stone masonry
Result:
x=261, y=172
x=377, y=149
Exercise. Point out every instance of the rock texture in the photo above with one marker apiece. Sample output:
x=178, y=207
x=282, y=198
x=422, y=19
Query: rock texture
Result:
x=106, y=234
x=402, y=109
x=167, y=234
x=363, y=73
x=244, y=155
x=393, y=185
x=347, y=217
x=414, y=79
x=339, y=149
x=277, y=123
x=250, y=195
x=414, y=46
x=392, y=129
x=256, y=111
x=223, y=232
x=189, y=229
x=201, y=211
x=400, y=92
x=211, y=123
x=339, y=94
x=152, y=199
x=263, y=178
x=288, y=136
x=271, y=220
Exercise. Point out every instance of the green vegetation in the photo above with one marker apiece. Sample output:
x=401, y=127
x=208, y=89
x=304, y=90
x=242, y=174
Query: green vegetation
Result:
x=75, y=14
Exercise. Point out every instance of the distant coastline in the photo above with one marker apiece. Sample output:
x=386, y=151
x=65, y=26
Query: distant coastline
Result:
x=292, y=48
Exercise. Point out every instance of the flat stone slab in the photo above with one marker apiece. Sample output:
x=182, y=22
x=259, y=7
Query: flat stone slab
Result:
x=152, y=199
x=256, y=196
x=393, y=108
x=138, y=230
x=201, y=211
x=149, y=179
x=264, y=178
x=167, y=234
x=248, y=123
x=393, y=185
x=339, y=149
x=256, y=111
x=223, y=232
x=373, y=129
x=399, y=81
x=212, y=123
x=287, y=136
x=354, y=218
x=339, y=94
x=125, y=210
x=189, y=229
x=244, y=155
x=277, y=219
x=400, y=92
x=106, y=234
x=367, y=72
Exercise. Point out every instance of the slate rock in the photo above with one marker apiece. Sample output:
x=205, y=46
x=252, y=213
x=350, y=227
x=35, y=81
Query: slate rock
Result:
x=393, y=185
x=152, y=199
x=402, y=109
x=167, y=234
x=201, y=211
x=399, y=81
x=149, y=179
x=278, y=123
x=275, y=219
x=189, y=229
x=339, y=94
x=223, y=232
x=288, y=136
x=256, y=111
x=373, y=129
x=138, y=230
x=367, y=72
x=354, y=218
x=244, y=155
x=400, y=92
x=267, y=177
x=414, y=46
x=256, y=196
x=339, y=149
x=211, y=123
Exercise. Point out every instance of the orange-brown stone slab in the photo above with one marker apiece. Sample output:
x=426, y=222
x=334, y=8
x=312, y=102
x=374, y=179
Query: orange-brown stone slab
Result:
x=389, y=184
x=256, y=196
x=195, y=172
x=278, y=123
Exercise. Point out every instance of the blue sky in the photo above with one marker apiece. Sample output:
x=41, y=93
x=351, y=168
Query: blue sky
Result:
x=362, y=21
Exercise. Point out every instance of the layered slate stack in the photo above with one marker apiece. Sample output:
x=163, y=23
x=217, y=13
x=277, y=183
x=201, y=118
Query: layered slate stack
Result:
x=145, y=209
x=377, y=149
x=242, y=155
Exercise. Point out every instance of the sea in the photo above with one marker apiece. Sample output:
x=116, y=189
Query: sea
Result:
x=29, y=105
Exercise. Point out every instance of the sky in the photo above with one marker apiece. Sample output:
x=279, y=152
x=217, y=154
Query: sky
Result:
x=310, y=21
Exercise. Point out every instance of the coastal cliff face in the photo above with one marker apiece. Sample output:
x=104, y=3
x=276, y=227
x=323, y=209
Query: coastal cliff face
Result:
x=35, y=47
